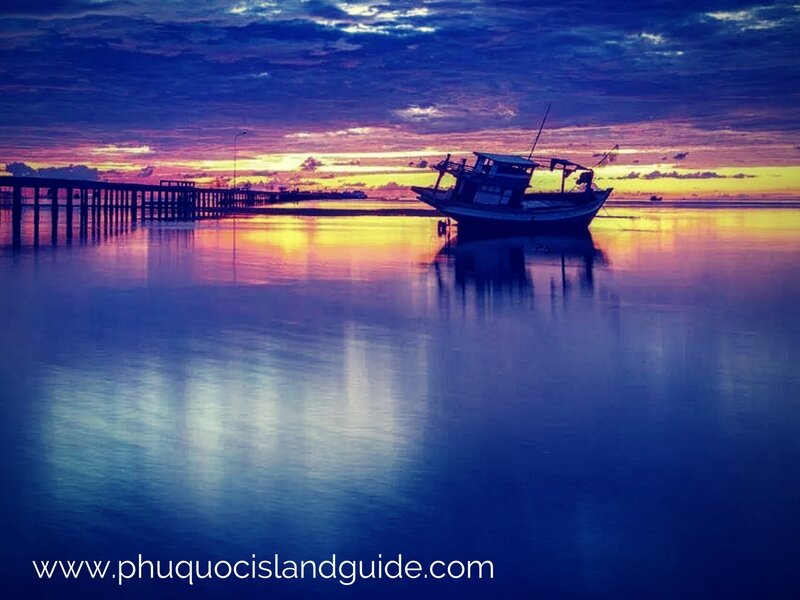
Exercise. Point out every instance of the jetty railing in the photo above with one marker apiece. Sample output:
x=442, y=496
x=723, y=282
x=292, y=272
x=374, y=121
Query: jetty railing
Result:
x=112, y=201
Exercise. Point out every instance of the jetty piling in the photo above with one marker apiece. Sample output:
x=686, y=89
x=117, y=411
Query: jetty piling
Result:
x=111, y=205
x=108, y=207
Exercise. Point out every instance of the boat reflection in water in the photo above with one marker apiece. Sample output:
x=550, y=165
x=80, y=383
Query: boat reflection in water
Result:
x=512, y=266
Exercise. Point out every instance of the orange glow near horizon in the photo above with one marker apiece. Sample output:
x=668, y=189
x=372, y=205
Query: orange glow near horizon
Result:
x=385, y=161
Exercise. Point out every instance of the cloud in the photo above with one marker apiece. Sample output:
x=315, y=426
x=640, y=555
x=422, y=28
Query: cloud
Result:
x=311, y=164
x=340, y=65
x=122, y=149
x=147, y=171
x=354, y=18
x=378, y=18
x=47, y=8
x=349, y=132
x=468, y=111
x=420, y=113
x=653, y=38
x=755, y=18
x=680, y=155
x=676, y=175
x=421, y=164
x=257, y=8
x=20, y=169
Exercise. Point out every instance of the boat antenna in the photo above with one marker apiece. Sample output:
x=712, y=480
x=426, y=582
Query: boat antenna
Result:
x=608, y=155
x=536, y=141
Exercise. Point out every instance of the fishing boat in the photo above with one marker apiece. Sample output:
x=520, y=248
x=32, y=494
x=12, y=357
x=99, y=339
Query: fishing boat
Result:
x=491, y=195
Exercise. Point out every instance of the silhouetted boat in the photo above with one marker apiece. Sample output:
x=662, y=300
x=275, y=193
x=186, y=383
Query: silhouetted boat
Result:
x=655, y=198
x=490, y=195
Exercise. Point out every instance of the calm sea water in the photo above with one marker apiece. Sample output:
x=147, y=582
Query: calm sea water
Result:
x=612, y=417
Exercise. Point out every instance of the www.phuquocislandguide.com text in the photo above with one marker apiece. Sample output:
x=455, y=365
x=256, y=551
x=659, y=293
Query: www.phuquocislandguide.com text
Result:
x=345, y=572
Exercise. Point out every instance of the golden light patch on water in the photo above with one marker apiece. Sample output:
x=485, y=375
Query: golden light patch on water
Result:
x=287, y=240
x=285, y=248
x=629, y=235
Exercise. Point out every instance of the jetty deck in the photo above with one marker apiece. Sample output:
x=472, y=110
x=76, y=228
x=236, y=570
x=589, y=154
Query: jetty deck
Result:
x=104, y=201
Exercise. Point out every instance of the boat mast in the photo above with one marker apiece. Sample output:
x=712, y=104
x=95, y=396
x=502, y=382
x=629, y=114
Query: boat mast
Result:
x=536, y=141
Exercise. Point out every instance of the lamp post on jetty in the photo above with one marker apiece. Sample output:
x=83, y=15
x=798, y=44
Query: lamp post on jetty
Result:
x=235, y=139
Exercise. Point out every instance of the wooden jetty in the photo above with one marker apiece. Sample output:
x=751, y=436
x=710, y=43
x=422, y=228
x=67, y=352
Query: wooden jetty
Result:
x=110, y=202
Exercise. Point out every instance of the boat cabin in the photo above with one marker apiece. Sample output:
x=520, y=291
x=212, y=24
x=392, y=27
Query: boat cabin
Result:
x=504, y=165
x=501, y=179
x=494, y=179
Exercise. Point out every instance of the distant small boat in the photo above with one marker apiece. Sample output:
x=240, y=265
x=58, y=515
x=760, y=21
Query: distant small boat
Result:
x=655, y=198
x=490, y=195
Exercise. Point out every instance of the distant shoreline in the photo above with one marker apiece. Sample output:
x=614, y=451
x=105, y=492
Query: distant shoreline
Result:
x=706, y=203
x=418, y=209
x=424, y=211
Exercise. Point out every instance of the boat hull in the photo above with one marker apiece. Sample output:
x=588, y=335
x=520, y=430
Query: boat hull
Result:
x=563, y=217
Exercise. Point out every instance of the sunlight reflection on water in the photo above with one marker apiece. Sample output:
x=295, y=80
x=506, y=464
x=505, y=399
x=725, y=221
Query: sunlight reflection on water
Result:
x=602, y=417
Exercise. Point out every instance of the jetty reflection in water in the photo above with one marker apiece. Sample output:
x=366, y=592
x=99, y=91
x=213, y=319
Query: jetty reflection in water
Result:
x=612, y=417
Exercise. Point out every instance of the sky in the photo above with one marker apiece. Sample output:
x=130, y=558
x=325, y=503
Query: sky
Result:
x=702, y=97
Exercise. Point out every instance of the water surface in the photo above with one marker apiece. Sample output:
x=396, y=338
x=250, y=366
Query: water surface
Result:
x=609, y=417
